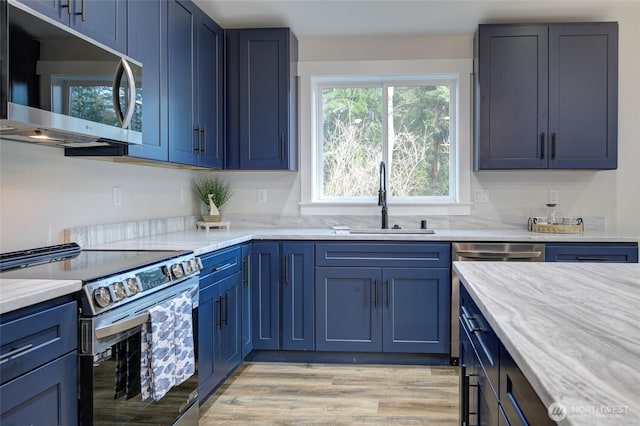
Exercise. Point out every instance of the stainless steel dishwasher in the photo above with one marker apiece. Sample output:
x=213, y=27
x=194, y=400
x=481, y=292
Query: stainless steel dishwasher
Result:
x=484, y=252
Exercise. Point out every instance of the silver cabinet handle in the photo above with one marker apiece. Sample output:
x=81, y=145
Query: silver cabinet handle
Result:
x=124, y=119
x=14, y=352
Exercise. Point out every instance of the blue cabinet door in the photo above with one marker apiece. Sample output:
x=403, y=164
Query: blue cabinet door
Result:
x=181, y=78
x=265, y=292
x=195, y=76
x=209, y=374
x=546, y=96
x=603, y=253
x=298, y=296
x=147, y=41
x=247, y=340
x=229, y=352
x=104, y=21
x=209, y=93
x=262, y=99
x=348, y=309
x=416, y=315
x=45, y=396
x=583, y=95
x=511, y=97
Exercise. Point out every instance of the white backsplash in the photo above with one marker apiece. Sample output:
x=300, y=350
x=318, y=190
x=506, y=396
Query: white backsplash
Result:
x=100, y=234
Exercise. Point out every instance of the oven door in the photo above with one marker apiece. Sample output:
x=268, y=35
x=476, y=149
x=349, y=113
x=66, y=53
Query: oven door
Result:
x=109, y=369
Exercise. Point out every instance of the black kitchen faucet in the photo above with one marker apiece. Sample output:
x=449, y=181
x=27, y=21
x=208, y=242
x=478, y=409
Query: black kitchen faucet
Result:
x=382, y=195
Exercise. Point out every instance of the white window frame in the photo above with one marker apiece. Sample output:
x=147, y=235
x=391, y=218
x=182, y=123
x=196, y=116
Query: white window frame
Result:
x=383, y=82
x=314, y=74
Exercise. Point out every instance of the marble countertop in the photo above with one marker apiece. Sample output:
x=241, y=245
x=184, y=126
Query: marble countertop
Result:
x=203, y=241
x=19, y=293
x=572, y=328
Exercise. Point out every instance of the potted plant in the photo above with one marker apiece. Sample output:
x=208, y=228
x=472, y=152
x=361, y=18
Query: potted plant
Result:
x=213, y=192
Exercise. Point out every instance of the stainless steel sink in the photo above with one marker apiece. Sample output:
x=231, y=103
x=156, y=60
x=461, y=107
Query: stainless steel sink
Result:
x=391, y=231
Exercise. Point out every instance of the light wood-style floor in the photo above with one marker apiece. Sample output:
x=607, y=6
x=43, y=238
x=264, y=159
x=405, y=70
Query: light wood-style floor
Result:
x=335, y=394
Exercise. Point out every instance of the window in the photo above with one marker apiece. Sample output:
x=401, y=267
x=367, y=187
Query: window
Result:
x=92, y=100
x=415, y=115
x=407, y=123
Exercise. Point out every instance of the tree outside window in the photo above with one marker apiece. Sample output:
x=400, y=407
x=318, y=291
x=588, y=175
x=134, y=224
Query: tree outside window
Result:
x=406, y=124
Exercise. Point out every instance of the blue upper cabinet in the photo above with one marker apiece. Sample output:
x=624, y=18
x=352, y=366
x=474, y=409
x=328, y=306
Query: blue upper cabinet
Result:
x=104, y=21
x=147, y=42
x=546, y=96
x=261, y=99
x=194, y=78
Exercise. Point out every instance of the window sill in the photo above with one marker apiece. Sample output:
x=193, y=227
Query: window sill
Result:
x=405, y=209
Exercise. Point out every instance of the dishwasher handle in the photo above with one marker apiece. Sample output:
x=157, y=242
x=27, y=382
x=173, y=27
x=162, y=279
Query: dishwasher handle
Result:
x=498, y=255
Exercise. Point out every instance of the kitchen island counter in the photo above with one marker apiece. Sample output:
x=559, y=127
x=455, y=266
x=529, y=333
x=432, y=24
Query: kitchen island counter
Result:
x=571, y=329
x=203, y=241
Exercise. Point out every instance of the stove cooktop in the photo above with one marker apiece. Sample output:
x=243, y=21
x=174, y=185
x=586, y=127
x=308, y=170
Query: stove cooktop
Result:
x=92, y=265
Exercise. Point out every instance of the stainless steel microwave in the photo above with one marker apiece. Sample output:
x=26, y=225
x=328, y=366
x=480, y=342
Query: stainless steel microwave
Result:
x=61, y=88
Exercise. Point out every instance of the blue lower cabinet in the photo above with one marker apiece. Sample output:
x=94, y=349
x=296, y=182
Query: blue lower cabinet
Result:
x=44, y=396
x=246, y=314
x=219, y=319
x=348, y=309
x=282, y=283
x=39, y=364
x=265, y=294
x=382, y=309
x=590, y=252
x=520, y=403
x=415, y=318
x=298, y=316
x=229, y=352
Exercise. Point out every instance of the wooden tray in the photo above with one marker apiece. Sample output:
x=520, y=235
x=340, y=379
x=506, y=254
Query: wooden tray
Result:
x=555, y=229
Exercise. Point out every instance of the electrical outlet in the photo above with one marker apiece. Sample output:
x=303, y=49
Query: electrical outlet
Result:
x=262, y=195
x=481, y=196
x=554, y=196
x=117, y=196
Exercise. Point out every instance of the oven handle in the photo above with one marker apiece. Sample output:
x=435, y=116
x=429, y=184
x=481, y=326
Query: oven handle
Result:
x=121, y=326
x=130, y=323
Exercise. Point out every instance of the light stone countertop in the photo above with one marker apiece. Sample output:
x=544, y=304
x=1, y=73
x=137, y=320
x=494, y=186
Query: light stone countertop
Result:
x=19, y=293
x=572, y=328
x=203, y=241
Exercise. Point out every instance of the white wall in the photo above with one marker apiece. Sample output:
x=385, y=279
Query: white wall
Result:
x=42, y=192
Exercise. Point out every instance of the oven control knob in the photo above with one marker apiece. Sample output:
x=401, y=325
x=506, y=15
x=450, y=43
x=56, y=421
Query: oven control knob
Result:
x=188, y=267
x=102, y=296
x=177, y=271
x=119, y=291
x=133, y=286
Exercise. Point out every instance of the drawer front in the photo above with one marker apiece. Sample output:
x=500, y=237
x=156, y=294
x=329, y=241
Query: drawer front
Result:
x=220, y=264
x=520, y=403
x=35, y=339
x=483, y=338
x=396, y=255
x=45, y=396
x=605, y=253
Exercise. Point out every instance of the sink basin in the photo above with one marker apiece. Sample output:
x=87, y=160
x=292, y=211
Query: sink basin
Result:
x=391, y=231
